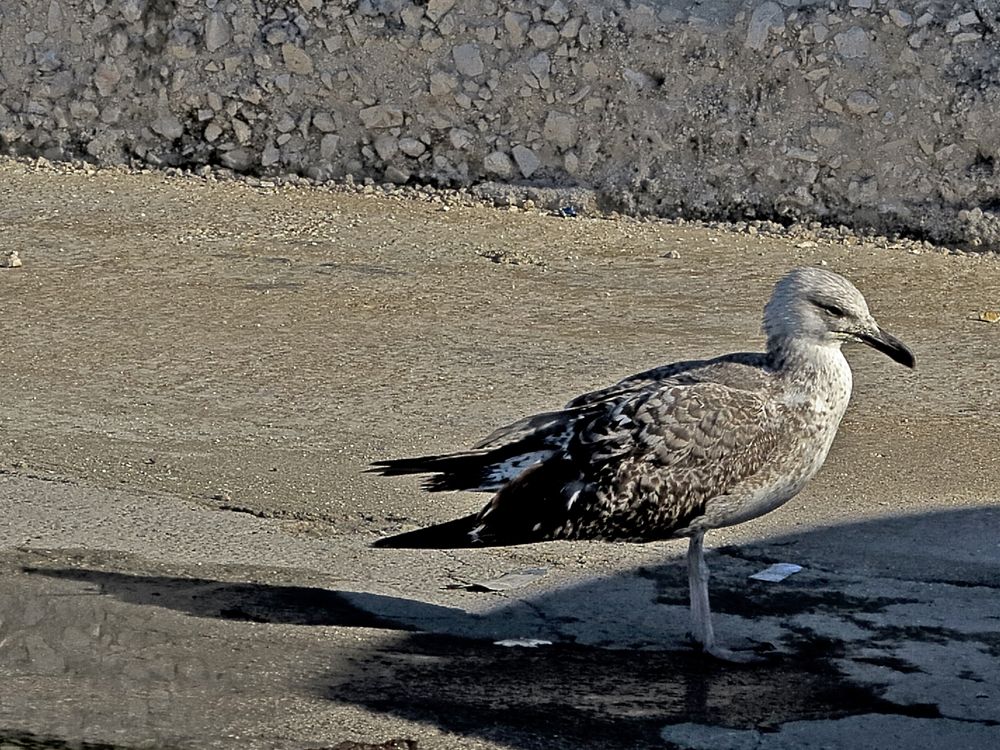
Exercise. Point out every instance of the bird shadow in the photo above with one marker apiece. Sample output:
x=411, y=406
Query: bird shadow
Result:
x=612, y=676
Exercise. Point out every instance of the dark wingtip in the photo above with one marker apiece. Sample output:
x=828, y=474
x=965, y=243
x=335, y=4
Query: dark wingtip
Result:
x=457, y=471
x=395, y=467
x=448, y=535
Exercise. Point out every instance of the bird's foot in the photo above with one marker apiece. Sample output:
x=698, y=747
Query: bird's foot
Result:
x=752, y=653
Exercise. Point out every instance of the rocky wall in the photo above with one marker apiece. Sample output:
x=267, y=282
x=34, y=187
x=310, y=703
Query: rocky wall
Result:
x=880, y=113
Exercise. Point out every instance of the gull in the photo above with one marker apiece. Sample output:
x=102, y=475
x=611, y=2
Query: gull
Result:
x=673, y=451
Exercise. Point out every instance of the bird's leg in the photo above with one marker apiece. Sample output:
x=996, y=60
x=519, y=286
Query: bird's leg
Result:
x=701, y=615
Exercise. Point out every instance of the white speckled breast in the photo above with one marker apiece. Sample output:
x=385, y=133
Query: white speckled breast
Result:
x=814, y=391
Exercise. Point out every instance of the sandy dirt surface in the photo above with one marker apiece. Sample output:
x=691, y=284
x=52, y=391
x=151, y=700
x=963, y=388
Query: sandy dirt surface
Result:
x=196, y=373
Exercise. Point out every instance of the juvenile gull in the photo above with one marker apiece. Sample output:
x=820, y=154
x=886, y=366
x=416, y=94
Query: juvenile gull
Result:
x=673, y=451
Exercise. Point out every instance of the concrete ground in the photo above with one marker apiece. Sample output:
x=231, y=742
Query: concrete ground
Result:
x=196, y=373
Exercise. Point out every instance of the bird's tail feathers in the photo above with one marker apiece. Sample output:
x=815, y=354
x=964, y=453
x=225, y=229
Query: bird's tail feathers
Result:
x=531, y=428
x=478, y=470
x=452, y=471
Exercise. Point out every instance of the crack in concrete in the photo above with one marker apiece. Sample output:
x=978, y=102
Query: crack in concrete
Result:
x=39, y=477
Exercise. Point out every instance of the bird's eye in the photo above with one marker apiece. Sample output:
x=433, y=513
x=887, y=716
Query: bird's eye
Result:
x=837, y=312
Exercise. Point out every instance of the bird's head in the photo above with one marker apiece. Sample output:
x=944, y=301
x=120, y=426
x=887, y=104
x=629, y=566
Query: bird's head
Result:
x=819, y=307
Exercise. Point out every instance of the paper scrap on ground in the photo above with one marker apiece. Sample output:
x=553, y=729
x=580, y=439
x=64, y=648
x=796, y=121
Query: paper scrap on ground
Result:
x=522, y=642
x=776, y=572
x=508, y=581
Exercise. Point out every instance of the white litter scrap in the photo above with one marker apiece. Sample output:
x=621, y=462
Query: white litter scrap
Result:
x=509, y=581
x=776, y=572
x=522, y=643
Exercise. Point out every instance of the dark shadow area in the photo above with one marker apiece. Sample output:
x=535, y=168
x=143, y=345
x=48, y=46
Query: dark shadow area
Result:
x=559, y=696
x=818, y=594
x=568, y=696
x=16, y=740
x=250, y=602
x=617, y=689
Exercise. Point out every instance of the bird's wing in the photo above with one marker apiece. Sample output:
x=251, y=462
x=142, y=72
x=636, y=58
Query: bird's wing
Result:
x=640, y=465
x=552, y=424
x=556, y=424
x=677, y=372
x=519, y=447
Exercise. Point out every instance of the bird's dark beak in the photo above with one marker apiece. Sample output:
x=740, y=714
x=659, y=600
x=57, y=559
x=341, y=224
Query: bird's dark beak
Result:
x=889, y=345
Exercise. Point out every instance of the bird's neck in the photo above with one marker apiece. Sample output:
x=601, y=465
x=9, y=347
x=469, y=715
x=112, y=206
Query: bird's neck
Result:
x=814, y=384
x=818, y=367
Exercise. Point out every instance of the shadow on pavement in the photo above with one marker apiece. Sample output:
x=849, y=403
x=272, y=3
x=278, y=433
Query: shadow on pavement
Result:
x=875, y=595
x=253, y=602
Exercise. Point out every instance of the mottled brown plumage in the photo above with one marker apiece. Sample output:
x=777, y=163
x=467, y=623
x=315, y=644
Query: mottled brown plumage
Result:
x=625, y=455
x=672, y=451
